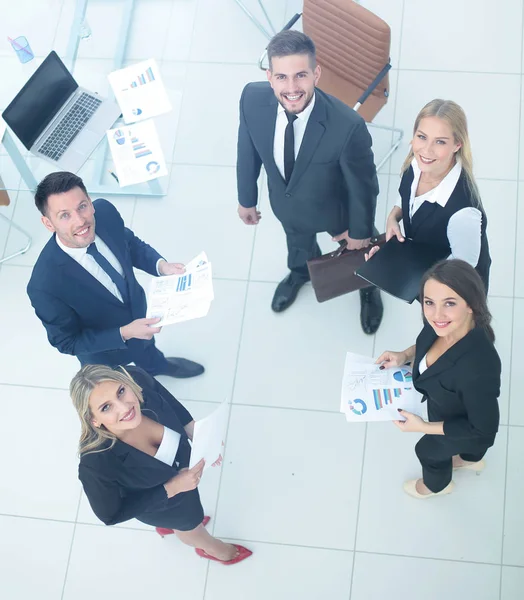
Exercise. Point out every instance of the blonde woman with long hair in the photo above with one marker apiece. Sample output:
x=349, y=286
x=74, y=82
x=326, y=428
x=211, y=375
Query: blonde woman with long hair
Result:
x=439, y=202
x=134, y=453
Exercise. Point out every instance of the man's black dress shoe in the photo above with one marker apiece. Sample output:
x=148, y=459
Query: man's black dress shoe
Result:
x=286, y=293
x=371, y=309
x=181, y=368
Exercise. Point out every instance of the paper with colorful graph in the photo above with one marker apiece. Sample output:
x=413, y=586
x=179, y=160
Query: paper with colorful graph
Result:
x=139, y=91
x=136, y=153
x=371, y=394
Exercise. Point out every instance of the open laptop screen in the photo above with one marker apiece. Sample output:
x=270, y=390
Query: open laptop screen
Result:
x=39, y=100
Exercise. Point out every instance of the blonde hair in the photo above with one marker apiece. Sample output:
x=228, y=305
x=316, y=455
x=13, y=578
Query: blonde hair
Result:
x=455, y=116
x=80, y=390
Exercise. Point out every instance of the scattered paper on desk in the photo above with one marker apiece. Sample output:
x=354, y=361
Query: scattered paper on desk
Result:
x=177, y=298
x=139, y=91
x=371, y=394
x=136, y=153
x=209, y=436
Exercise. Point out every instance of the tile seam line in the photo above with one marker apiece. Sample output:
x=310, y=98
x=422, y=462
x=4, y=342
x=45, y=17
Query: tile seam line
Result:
x=519, y=187
x=288, y=545
x=71, y=545
x=260, y=184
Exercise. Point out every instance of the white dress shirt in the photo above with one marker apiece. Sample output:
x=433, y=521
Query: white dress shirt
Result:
x=92, y=267
x=299, y=128
x=464, y=226
x=168, y=446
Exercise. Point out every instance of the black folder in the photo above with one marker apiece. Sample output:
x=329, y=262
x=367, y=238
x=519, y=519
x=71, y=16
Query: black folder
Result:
x=398, y=267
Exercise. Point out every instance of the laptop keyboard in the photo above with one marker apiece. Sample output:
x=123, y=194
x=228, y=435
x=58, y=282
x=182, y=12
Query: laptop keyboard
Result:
x=70, y=126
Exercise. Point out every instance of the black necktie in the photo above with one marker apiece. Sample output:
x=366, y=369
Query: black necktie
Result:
x=106, y=266
x=289, y=146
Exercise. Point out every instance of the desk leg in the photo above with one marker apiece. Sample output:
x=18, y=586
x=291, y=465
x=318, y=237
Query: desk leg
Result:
x=13, y=225
x=19, y=161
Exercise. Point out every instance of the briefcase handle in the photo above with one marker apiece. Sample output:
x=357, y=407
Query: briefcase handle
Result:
x=343, y=244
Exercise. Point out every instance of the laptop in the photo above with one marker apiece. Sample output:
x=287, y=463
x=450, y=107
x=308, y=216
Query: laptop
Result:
x=56, y=119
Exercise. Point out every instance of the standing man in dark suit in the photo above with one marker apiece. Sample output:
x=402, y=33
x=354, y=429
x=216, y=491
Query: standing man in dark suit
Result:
x=83, y=288
x=317, y=155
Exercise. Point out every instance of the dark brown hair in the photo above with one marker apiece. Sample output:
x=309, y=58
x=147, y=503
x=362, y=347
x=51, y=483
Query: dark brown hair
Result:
x=56, y=183
x=464, y=280
x=289, y=42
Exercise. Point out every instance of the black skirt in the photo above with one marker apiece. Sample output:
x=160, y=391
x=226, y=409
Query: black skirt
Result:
x=184, y=513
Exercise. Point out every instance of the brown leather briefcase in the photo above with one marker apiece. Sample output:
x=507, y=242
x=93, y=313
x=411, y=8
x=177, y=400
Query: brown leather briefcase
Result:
x=333, y=274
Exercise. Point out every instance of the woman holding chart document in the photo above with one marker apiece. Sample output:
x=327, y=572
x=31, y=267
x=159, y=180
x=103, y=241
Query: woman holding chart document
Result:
x=134, y=453
x=457, y=369
x=439, y=202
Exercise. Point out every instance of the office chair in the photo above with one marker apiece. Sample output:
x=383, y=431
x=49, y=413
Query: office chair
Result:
x=5, y=201
x=353, y=50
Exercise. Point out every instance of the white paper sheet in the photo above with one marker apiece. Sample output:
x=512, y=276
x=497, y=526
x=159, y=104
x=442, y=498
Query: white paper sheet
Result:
x=177, y=298
x=139, y=91
x=209, y=436
x=136, y=153
x=371, y=394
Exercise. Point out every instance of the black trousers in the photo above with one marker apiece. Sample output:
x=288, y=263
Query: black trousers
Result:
x=302, y=247
x=143, y=353
x=435, y=453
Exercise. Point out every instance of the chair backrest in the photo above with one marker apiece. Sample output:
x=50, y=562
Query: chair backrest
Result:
x=4, y=196
x=352, y=48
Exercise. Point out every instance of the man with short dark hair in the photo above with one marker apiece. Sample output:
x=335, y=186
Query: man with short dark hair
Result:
x=317, y=155
x=83, y=288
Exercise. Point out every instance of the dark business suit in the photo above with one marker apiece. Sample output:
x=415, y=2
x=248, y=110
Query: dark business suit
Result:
x=80, y=315
x=462, y=389
x=430, y=222
x=333, y=186
x=123, y=483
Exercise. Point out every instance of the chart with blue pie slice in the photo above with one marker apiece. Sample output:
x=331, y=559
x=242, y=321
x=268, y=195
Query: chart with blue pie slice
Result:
x=403, y=376
x=120, y=137
x=358, y=406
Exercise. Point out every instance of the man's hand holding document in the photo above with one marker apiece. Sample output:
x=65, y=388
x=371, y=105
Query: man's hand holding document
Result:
x=209, y=435
x=370, y=393
x=177, y=298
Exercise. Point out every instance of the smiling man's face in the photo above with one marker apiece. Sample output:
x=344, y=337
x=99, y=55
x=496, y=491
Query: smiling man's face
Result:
x=71, y=215
x=293, y=80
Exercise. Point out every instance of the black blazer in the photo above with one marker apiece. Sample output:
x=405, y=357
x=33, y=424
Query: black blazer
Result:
x=430, y=222
x=80, y=315
x=334, y=183
x=122, y=482
x=462, y=387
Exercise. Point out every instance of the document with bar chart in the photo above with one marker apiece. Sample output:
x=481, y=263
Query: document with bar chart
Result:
x=139, y=91
x=137, y=153
x=371, y=394
x=177, y=298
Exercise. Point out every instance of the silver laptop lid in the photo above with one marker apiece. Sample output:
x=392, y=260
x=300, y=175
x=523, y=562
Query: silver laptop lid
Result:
x=41, y=98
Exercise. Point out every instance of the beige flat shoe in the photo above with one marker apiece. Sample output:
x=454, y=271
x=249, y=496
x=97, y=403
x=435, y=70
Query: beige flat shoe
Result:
x=410, y=487
x=476, y=466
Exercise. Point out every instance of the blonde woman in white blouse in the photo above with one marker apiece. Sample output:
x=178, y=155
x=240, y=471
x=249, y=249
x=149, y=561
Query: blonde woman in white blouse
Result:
x=439, y=201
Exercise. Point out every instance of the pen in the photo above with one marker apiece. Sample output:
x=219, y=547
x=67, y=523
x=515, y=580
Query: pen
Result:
x=116, y=178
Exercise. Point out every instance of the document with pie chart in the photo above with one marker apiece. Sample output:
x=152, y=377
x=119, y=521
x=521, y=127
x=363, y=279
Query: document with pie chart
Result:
x=371, y=394
x=136, y=153
x=139, y=91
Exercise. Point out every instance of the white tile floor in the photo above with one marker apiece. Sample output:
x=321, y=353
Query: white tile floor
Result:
x=318, y=501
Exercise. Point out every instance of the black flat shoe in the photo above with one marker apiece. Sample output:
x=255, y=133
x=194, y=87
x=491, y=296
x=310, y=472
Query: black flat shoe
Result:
x=371, y=309
x=286, y=293
x=181, y=368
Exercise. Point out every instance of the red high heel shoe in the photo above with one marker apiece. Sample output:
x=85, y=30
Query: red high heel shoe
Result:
x=162, y=532
x=243, y=553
